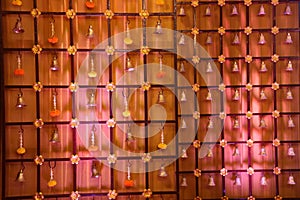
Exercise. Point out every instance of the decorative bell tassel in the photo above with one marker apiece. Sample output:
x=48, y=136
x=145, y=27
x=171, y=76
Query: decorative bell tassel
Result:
x=236, y=39
x=236, y=95
x=263, y=67
x=211, y=182
x=126, y=112
x=52, y=39
x=52, y=182
x=161, y=98
x=291, y=122
x=208, y=39
x=129, y=66
x=209, y=96
x=128, y=182
x=158, y=28
x=288, y=39
x=184, y=182
x=92, y=73
x=261, y=39
x=207, y=11
x=92, y=99
x=54, y=64
x=18, y=26
x=261, y=10
x=19, y=71
x=20, y=100
x=289, y=95
x=162, y=144
x=291, y=151
x=90, y=32
x=127, y=39
x=263, y=181
x=210, y=123
x=262, y=95
x=20, y=176
x=236, y=151
x=162, y=172
x=289, y=66
x=210, y=153
x=183, y=124
x=235, y=67
x=184, y=153
x=287, y=10
x=54, y=111
x=183, y=96
x=234, y=11
x=291, y=180
x=262, y=123
x=181, y=40
x=92, y=140
x=209, y=68
x=54, y=136
x=129, y=136
x=95, y=171
x=181, y=11
x=263, y=151
x=236, y=123
x=161, y=73
x=237, y=181
x=182, y=68
x=89, y=4
x=21, y=150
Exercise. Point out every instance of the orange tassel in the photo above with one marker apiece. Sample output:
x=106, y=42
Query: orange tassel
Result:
x=128, y=183
x=19, y=72
x=54, y=113
x=17, y=2
x=161, y=74
x=89, y=4
x=53, y=40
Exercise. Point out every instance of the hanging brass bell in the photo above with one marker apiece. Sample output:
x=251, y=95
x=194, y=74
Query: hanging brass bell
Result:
x=236, y=95
x=289, y=95
x=263, y=67
x=181, y=40
x=161, y=98
x=234, y=10
x=291, y=151
x=184, y=182
x=289, y=66
x=262, y=123
x=54, y=136
x=263, y=151
x=237, y=181
x=182, y=68
x=236, y=39
x=262, y=95
x=209, y=96
x=129, y=67
x=235, y=67
x=208, y=39
x=95, y=170
x=158, y=28
x=291, y=122
x=263, y=181
x=184, y=153
x=210, y=124
x=236, y=151
x=92, y=99
x=261, y=11
x=183, y=124
x=291, y=180
x=261, y=39
x=236, y=123
x=20, y=176
x=207, y=11
x=54, y=64
x=20, y=100
x=209, y=68
x=181, y=11
x=162, y=172
x=211, y=182
x=90, y=32
x=210, y=153
x=183, y=96
x=18, y=26
x=288, y=39
x=287, y=10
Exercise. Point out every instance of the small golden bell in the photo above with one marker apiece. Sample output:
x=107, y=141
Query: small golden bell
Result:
x=20, y=176
x=261, y=10
x=263, y=181
x=262, y=95
x=289, y=66
x=263, y=67
x=208, y=39
x=291, y=122
x=208, y=97
x=291, y=180
x=54, y=136
x=236, y=39
x=90, y=33
x=263, y=151
x=95, y=170
x=129, y=67
x=183, y=124
x=210, y=124
x=184, y=153
x=236, y=151
x=184, y=182
x=289, y=95
x=262, y=123
x=209, y=153
x=181, y=11
x=54, y=65
x=161, y=98
x=236, y=95
x=291, y=151
x=182, y=68
x=158, y=28
x=235, y=67
x=162, y=172
x=20, y=100
x=287, y=10
x=207, y=11
x=181, y=40
x=211, y=182
x=236, y=123
x=261, y=39
x=209, y=68
x=183, y=96
x=237, y=181
x=18, y=26
x=288, y=39
x=234, y=10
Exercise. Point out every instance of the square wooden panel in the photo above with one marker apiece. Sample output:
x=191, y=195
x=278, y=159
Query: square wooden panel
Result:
x=48, y=5
x=260, y=21
x=205, y=22
x=287, y=77
x=236, y=191
x=158, y=183
x=258, y=77
x=207, y=191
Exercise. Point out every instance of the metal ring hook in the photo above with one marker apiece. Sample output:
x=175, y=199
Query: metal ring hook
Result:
x=52, y=167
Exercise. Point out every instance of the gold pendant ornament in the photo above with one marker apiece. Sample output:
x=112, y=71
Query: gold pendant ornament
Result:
x=128, y=182
x=52, y=182
x=162, y=144
x=18, y=26
x=92, y=73
x=126, y=113
x=21, y=150
x=19, y=71
x=127, y=39
x=92, y=143
x=53, y=39
x=54, y=111
x=20, y=101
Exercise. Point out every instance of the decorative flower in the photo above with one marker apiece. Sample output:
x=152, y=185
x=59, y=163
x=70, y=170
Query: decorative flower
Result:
x=221, y=30
x=196, y=87
x=144, y=14
x=35, y=12
x=277, y=197
x=224, y=198
x=248, y=59
x=222, y=115
x=146, y=86
x=223, y=143
x=38, y=123
x=275, y=58
x=72, y=50
x=195, y=31
x=75, y=195
x=223, y=172
x=197, y=172
x=274, y=30
x=251, y=198
x=250, y=142
x=37, y=86
x=38, y=196
x=73, y=87
x=275, y=114
x=110, y=50
x=145, y=50
x=248, y=2
x=109, y=14
x=248, y=30
x=70, y=13
x=274, y=2
x=196, y=144
x=197, y=198
x=249, y=115
x=110, y=87
x=39, y=160
x=275, y=86
x=222, y=87
x=250, y=171
x=17, y=2
x=111, y=123
x=36, y=49
x=147, y=193
x=196, y=60
x=196, y=114
x=277, y=170
x=221, y=59
x=276, y=142
x=74, y=123
x=146, y=157
x=195, y=3
x=221, y=2
x=75, y=159
x=112, y=194
x=249, y=86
